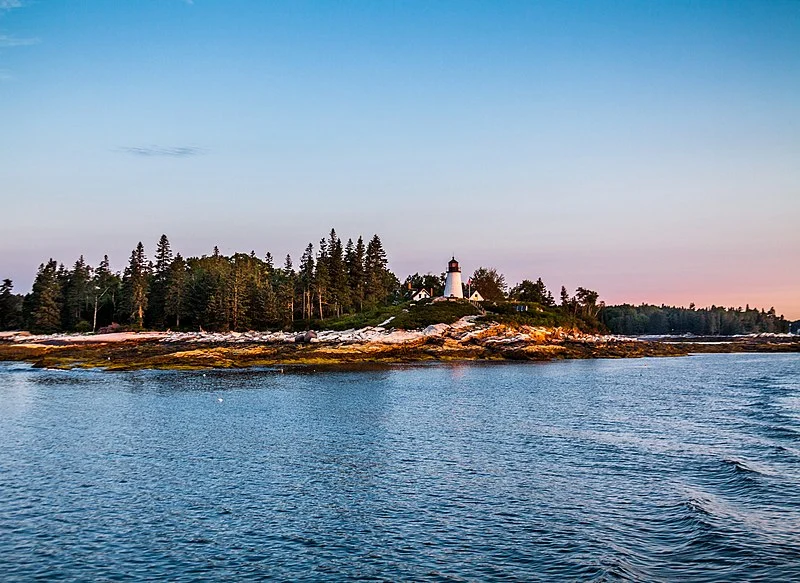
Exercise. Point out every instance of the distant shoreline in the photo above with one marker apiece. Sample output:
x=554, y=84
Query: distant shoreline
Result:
x=462, y=341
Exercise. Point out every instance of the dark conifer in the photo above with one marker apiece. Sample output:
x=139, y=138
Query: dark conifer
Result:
x=175, y=296
x=135, y=286
x=10, y=307
x=46, y=308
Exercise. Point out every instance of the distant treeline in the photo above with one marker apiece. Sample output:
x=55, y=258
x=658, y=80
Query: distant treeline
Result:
x=713, y=321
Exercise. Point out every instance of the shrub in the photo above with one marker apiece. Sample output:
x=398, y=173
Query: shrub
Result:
x=83, y=327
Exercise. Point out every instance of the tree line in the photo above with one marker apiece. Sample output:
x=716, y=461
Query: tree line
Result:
x=212, y=292
x=332, y=279
x=713, y=321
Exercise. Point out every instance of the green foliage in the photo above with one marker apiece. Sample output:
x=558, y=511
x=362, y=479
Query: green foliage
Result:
x=175, y=291
x=406, y=316
x=380, y=282
x=156, y=305
x=489, y=283
x=135, y=287
x=427, y=312
x=513, y=314
x=45, y=304
x=433, y=283
x=77, y=294
x=529, y=291
x=105, y=290
x=83, y=327
x=10, y=307
x=371, y=317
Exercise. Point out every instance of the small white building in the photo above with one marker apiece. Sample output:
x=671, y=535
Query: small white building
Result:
x=420, y=294
x=476, y=297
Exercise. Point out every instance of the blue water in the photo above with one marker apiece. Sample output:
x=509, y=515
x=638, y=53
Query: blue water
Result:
x=655, y=469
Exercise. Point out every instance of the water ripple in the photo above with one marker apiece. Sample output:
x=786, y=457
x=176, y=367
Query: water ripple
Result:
x=631, y=470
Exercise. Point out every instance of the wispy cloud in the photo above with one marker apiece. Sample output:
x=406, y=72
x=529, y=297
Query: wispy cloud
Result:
x=13, y=41
x=5, y=75
x=171, y=151
x=10, y=4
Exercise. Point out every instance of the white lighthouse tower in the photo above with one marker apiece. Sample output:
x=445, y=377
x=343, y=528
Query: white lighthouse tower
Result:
x=452, y=285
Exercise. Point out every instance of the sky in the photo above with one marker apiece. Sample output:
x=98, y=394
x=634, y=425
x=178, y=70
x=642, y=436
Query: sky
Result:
x=646, y=150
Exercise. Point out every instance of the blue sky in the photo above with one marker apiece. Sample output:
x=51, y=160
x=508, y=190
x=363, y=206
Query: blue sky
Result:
x=648, y=150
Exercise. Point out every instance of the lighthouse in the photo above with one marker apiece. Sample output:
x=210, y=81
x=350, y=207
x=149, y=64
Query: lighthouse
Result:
x=452, y=285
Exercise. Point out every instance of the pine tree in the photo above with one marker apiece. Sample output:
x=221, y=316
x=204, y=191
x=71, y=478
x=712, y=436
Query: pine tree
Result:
x=175, y=296
x=10, y=307
x=5, y=303
x=322, y=277
x=564, y=297
x=376, y=273
x=135, y=286
x=46, y=309
x=239, y=283
x=306, y=279
x=104, y=288
x=158, y=287
x=338, y=290
x=356, y=275
x=77, y=295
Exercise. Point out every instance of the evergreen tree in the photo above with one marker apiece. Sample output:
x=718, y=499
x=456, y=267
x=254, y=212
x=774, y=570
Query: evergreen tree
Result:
x=285, y=298
x=46, y=308
x=241, y=279
x=263, y=309
x=322, y=277
x=104, y=290
x=158, y=287
x=529, y=291
x=564, y=298
x=10, y=307
x=175, y=296
x=356, y=274
x=135, y=286
x=337, y=272
x=377, y=277
x=306, y=280
x=77, y=295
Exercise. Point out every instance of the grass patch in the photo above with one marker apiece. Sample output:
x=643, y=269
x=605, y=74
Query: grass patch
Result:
x=367, y=318
x=427, y=313
x=537, y=315
x=407, y=316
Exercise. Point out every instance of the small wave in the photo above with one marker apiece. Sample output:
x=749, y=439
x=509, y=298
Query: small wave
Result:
x=740, y=466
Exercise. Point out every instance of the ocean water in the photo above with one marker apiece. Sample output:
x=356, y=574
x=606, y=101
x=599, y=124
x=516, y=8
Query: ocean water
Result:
x=652, y=469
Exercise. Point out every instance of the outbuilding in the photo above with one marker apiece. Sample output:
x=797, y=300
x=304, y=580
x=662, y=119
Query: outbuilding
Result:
x=420, y=294
x=476, y=297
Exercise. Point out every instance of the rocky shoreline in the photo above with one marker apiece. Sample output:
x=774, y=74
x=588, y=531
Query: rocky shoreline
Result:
x=466, y=339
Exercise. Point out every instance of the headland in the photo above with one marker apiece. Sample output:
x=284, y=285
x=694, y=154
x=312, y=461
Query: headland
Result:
x=467, y=339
